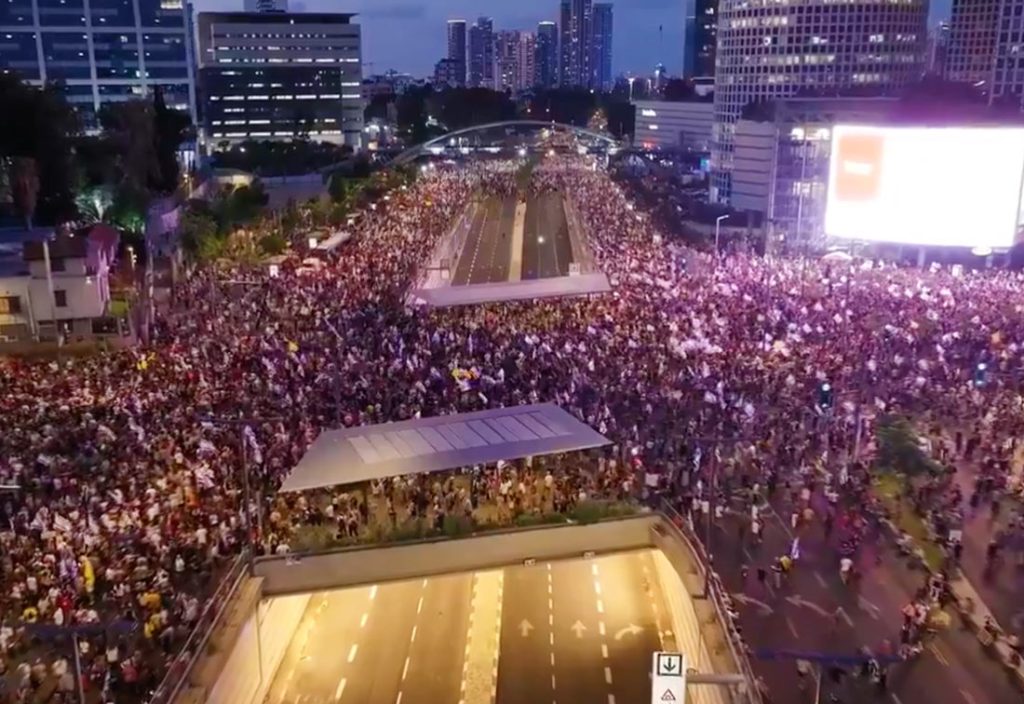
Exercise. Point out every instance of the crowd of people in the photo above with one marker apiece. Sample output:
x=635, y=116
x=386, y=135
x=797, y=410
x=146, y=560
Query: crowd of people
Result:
x=129, y=501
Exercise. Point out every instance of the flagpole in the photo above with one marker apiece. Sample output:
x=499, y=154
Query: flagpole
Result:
x=247, y=498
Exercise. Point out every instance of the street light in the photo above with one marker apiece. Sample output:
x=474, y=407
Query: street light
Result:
x=718, y=230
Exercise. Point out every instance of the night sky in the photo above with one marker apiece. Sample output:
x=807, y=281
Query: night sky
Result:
x=409, y=36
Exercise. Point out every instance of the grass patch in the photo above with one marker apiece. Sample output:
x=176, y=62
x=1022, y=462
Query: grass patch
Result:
x=890, y=488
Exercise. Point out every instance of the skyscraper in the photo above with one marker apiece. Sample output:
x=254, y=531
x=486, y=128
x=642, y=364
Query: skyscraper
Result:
x=110, y=53
x=527, y=61
x=810, y=45
x=938, y=49
x=984, y=46
x=701, y=38
x=481, y=53
x=564, y=42
x=546, y=61
x=506, y=59
x=600, y=77
x=457, y=52
x=577, y=38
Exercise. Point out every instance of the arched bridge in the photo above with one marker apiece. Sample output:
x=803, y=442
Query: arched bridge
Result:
x=413, y=152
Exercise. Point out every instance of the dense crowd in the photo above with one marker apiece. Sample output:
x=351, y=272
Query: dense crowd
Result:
x=130, y=499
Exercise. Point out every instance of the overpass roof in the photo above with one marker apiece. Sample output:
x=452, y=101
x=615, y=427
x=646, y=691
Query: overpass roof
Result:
x=524, y=290
x=434, y=444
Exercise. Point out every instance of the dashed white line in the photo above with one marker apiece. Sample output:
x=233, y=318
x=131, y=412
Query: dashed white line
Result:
x=604, y=651
x=405, y=668
x=551, y=619
x=413, y=638
x=352, y=652
x=553, y=682
x=608, y=675
x=424, y=584
x=551, y=638
x=551, y=603
x=597, y=587
x=373, y=592
x=398, y=699
x=419, y=606
x=611, y=699
x=593, y=568
x=552, y=659
x=341, y=689
x=364, y=619
x=600, y=627
x=600, y=606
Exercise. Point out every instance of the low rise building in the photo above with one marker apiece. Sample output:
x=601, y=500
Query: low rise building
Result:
x=665, y=125
x=79, y=272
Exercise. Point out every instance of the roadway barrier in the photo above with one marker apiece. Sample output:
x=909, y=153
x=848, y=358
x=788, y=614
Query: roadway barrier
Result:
x=364, y=565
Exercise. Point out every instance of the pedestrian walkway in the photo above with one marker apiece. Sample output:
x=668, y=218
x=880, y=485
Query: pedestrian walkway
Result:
x=480, y=669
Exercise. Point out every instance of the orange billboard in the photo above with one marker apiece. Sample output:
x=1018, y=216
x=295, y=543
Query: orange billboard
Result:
x=859, y=176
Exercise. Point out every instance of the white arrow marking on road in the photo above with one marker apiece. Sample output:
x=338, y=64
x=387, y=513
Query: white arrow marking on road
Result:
x=798, y=601
x=821, y=580
x=631, y=628
x=578, y=629
x=866, y=605
x=845, y=616
x=766, y=610
x=968, y=696
x=525, y=627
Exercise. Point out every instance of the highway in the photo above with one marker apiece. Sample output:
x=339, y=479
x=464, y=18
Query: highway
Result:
x=487, y=253
x=570, y=631
x=799, y=617
x=547, y=251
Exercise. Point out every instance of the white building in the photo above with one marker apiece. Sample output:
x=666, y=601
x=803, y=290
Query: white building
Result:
x=80, y=270
x=781, y=160
x=673, y=125
x=769, y=50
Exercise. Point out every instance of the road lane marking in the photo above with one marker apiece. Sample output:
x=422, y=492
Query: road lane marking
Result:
x=896, y=699
x=604, y=651
x=792, y=628
x=405, y=668
x=611, y=698
x=608, y=674
x=597, y=587
x=553, y=682
x=821, y=580
x=551, y=638
x=552, y=659
x=352, y=652
x=364, y=619
x=550, y=588
x=600, y=627
x=413, y=639
x=419, y=606
x=551, y=619
x=398, y=699
x=424, y=584
x=600, y=606
x=939, y=655
x=551, y=603
x=340, y=690
x=593, y=568
x=968, y=696
x=373, y=592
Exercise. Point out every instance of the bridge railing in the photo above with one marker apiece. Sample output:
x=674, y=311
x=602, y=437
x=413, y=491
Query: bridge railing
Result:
x=181, y=668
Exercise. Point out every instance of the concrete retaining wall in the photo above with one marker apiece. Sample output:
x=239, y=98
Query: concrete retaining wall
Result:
x=345, y=568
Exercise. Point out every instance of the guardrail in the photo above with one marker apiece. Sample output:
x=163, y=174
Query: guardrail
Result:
x=717, y=594
x=180, y=669
x=448, y=249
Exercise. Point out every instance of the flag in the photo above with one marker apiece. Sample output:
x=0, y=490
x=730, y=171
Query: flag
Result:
x=250, y=440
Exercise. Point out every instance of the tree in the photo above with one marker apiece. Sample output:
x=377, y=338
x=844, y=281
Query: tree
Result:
x=38, y=123
x=199, y=235
x=25, y=187
x=170, y=129
x=95, y=204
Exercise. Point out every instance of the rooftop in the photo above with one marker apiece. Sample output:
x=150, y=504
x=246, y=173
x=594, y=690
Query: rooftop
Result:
x=424, y=445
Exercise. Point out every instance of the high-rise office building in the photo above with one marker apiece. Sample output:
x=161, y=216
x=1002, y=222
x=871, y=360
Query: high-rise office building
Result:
x=280, y=76
x=768, y=51
x=701, y=38
x=527, y=61
x=506, y=59
x=101, y=52
x=266, y=5
x=564, y=41
x=546, y=60
x=577, y=39
x=985, y=47
x=600, y=76
x=481, y=53
x=457, y=51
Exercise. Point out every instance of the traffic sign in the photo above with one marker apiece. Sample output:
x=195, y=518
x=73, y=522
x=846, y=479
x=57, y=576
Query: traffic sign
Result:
x=668, y=678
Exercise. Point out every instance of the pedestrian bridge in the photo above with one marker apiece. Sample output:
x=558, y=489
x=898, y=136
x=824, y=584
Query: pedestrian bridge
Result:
x=413, y=152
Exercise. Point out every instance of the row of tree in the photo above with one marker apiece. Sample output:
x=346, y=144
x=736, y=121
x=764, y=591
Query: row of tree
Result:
x=55, y=172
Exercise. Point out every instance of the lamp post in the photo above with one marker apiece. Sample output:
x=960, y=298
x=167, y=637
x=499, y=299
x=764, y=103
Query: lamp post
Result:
x=718, y=230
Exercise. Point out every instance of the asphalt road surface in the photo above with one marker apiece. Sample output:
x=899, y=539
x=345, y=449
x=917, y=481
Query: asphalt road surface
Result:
x=571, y=631
x=547, y=251
x=487, y=252
x=801, y=616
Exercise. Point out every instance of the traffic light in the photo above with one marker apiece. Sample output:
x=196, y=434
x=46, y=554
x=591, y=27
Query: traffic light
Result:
x=825, y=395
x=980, y=374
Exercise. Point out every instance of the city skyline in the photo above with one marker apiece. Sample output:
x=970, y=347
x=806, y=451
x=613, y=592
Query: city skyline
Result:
x=409, y=36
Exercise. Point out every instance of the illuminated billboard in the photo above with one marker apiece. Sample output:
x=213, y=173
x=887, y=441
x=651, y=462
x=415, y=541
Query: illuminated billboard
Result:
x=948, y=186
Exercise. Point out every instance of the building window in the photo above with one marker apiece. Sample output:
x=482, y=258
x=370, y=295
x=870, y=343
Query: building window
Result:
x=57, y=265
x=60, y=298
x=10, y=305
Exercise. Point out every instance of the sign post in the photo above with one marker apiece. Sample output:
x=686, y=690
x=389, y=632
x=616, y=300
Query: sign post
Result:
x=668, y=678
